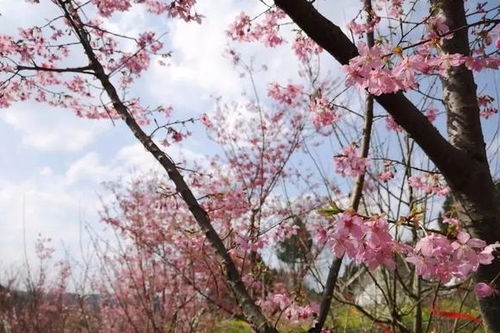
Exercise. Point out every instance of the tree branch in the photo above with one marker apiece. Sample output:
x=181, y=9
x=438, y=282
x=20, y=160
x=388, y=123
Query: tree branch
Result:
x=453, y=163
x=251, y=311
x=83, y=69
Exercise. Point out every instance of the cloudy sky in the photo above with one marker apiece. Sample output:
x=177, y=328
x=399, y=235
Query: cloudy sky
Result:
x=52, y=163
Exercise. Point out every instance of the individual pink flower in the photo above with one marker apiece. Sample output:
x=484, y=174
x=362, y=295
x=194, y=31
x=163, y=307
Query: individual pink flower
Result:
x=386, y=175
x=483, y=290
x=431, y=114
x=205, y=120
x=437, y=27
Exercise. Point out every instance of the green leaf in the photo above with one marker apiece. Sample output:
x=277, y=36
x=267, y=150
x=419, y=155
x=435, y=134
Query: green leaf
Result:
x=330, y=210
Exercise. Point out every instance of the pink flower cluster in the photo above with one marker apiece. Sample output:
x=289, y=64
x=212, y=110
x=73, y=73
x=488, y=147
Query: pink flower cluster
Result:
x=485, y=103
x=284, y=231
x=288, y=309
x=322, y=113
x=368, y=71
x=245, y=244
x=289, y=95
x=34, y=47
x=438, y=257
x=376, y=70
x=429, y=184
x=388, y=172
x=348, y=163
x=361, y=28
x=437, y=28
x=386, y=175
x=177, y=8
x=366, y=241
x=394, y=7
x=267, y=32
x=305, y=47
x=107, y=7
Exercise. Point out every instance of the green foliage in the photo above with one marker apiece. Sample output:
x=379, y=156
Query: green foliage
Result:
x=296, y=248
x=233, y=326
x=330, y=210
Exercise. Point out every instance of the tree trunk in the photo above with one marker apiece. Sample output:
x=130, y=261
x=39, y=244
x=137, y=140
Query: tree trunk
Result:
x=476, y=196
x=462, y=160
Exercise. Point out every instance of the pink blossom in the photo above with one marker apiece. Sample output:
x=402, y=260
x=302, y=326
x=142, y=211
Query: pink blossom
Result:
x=429, y=183
x=348, y=163
x=360, y=28
x=364, y=240
x=386, y=175
x=392, y=125
x=267, y=31
x=107, y=7
x=483, y=290
x=240, y=29
x=304, y=47
x=136, y=63
x=289, y=95
x=322, y=113
x=7, y=46
x=437, y=257
x=205, y=120
x=430, y=113
x=437, y=27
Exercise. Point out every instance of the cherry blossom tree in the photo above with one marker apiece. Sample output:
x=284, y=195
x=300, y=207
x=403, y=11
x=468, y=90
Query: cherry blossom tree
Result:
x=462, y=157
x=198, y=241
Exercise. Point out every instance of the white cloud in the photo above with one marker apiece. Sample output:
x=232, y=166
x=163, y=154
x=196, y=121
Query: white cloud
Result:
x=56, y=204
x=88, y=168
x=55, y=200
x=50, y=129
x=200, y=68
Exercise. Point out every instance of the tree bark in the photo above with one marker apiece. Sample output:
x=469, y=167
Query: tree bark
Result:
x=476, y=199
x=462, y=160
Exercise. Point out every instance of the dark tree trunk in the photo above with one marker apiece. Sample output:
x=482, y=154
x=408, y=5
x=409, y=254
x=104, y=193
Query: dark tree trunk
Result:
x=475, y=196
x=462, y=160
